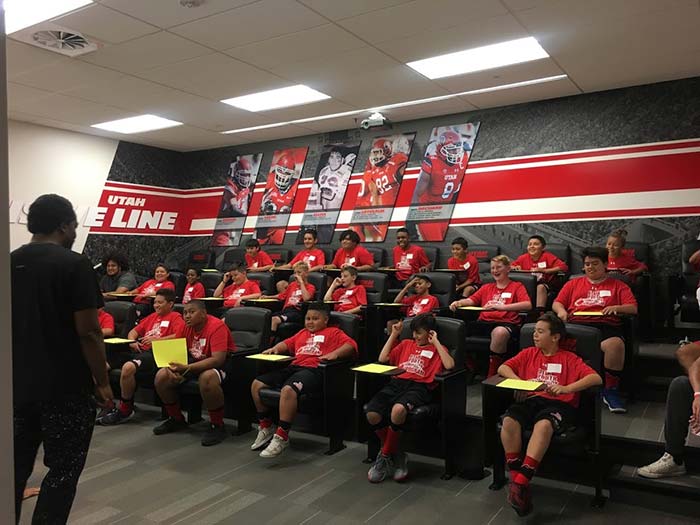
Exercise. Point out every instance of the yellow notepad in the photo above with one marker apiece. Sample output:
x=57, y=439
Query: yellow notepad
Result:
x=476, y=308
x=270, y=357
x=210, y=299
x=169, y=351
x=387, y=304
x=113, y=294
x=118, y=341
x=264, y=300
x=519, y=384
x=375, y=368
x=209, y=270
x=588, y=313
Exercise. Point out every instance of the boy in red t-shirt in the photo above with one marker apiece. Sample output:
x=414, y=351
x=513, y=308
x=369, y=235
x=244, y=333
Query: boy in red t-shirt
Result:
x=315, y=343
x=352, y=297
x=605, y=298
x=209, y=342
x=548, y=412
x=235, y=287
x=421, y=358
x=468, y=281
x=620, y=260
x=419, y=303
x=148, y=289
x=311, y=255
x=256, y=259
x=409, y=259
x=351, y=254
x=161, y=324
x=543, y=265
x=194, y=288
x=299, y=291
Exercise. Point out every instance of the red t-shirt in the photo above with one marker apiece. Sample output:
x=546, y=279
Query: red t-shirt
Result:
x=292, y=295
x=349, y=298
x=546, y=260
x=409, y=261
x=314, y=257
x=213, y=337
x=626, y=260
x=106, y=320
x=308, y=347
x=420, y=304
x=157, y=326
x=581, y=295
x=359, y=256
x=261, y=259
x=193, y=291
x=470, y=264
x=490, y=294
x=150, y=287
x=562, y=368
x=420, y=363
x=234, y=291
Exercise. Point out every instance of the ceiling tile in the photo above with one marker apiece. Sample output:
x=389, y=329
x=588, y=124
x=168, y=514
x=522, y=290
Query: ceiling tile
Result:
x=72, y=110
x=336, y=10
x=104, y=24
x=556, y=89
x=419, y=16
x=168, y=13
x=323, y=107
x=22, y=96
x=216, y=76
x=65, y=74
x=22, y=58
x=442, y=107
x=262, y=135
x=251, y=23
x=147, y=52
x=318, y=42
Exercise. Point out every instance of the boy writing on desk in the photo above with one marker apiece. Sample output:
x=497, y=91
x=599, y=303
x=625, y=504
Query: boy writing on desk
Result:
x=421, y=358
x=547, y=412
x=315, y=343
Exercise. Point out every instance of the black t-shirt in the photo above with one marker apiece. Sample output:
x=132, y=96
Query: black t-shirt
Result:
x=49, y=284
x=122, y=279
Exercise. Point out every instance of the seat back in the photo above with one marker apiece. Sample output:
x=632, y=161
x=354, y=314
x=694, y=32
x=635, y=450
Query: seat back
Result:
x=279, y=256
x=348, y=323
x=379, y=255
x=688, y=249
x=561, y=251
x=210, y=280
x=451, y=333
x=266, y=280
x=232, y=255
x=180, y=281
x=433, y=254
x=443, y=287
x=587, y=342
x=484, y=253
x=124, y=314
x=199, y=259
x=638, y=250
x=250, y=327
x=319, y=281
x=329, y=253
x=376, y=284
x=530, y=284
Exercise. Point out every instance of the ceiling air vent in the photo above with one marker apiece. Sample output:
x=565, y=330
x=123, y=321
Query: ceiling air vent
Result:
x=57, y=39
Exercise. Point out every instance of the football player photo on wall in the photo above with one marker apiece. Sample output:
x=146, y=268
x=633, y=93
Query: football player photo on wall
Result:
x=235, y=200
x=380, y=185
x=440, y=180
x=328, y=189
x=280, y=189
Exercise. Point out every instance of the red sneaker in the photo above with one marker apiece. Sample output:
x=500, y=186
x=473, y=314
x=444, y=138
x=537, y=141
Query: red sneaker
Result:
x=519, y=498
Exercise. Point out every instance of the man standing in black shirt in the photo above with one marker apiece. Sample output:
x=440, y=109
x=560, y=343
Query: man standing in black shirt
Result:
x=58, y=357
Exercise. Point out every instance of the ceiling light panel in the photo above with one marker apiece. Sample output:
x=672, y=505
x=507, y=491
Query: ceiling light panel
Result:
x=139, y=124
x=277, y=98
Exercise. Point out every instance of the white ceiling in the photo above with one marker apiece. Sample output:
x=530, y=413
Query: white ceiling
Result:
x=159, y=57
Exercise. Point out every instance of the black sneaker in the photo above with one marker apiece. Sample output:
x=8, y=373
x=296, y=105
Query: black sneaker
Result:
x=215, y=435
x=115, y=417
x=170, y=425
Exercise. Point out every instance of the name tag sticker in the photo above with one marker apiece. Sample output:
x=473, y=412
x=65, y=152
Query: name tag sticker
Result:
x=467, y=266
x=348, y=293
x=255, y=265
x=351, y=260
x=506, y=295
x=319, y=338
x=312, y=257
x=424, y=301
x=554, y=368
x=605, y=293
x=542, y=264
x=202, y=343
x=427, y=353
x=241, y=290
x=164, y=324
x=409, y=256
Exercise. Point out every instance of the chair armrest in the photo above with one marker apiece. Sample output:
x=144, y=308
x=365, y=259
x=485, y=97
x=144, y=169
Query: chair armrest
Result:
x=242, y=353
x=337, y=363
x=449, y=374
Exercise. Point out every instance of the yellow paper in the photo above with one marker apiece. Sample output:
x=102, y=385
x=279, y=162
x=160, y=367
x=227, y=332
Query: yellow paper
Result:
x=588, y=313
x=519, y=384
x=388, y=304
x=270, y=357
x=210, y=299
x=169, y=351
x=374, y=368
x=478, y=308
x=209, y=270
x=264, y=300
x=118, y=341
x=121, y=294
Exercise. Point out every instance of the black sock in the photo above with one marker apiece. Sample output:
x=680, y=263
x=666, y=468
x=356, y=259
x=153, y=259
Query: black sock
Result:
x=262, y=415
x=285, y=425
x=527, y=471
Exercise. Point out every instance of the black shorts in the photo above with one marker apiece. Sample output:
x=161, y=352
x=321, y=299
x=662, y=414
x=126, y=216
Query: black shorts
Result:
x=485, y=328
x=476, y=286
x=145, y=362
x=301, y=378
x=223, y=371
x=606, y=330
x=534, y=409
x=410, y=394
x=291, y=315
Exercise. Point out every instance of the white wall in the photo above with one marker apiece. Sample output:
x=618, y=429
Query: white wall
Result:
x=48, y=160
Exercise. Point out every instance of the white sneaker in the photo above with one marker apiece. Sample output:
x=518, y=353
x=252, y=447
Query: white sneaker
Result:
x=263, y=438
x=275, y=448
x=664, y=467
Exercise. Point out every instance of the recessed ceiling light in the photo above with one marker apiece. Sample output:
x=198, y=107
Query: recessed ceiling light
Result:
x=480, y=58
x=415, y=102
x=24, y=13
x=138, y=124
x=277, y=98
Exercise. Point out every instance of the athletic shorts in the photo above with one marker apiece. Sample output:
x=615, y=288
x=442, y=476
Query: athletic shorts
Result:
x=534, y=409
x=223, y=372
x=606, y=330
x=145, y=362
x=291, y=315
x=410, y=394
x=485, y=328
x=301, y=378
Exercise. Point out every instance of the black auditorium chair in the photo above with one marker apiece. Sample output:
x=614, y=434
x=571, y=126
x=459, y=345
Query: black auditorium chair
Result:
x=279, y=256
x=326, y=413
x=438, y=428
x=231, y=256
x=443, y=288
x=376, y=284
x=684, y=287
x=287, y=329
x=319, y=281
x=577, y=449
x=642, y=288
x=329, y=253
x=379, y=254
x=210, y=281
x=266, y=280
x=563, y=252
x=180, y=281
x=484, y=253
x=433, y=254
x=250, y=329
x=200, y=259
x=124, y=314
x=530, y=284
